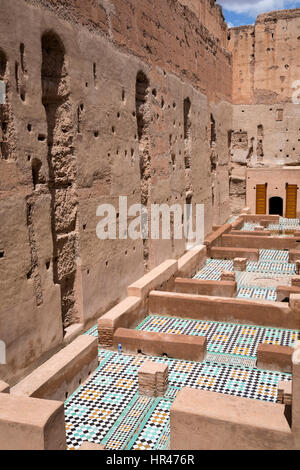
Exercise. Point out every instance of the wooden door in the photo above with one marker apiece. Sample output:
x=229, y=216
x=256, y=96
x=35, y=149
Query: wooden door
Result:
x=291, y=201
x=261, y=198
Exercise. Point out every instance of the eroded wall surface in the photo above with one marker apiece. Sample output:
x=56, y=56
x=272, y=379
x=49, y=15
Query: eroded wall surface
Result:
x=266, y=97
x=104, y=99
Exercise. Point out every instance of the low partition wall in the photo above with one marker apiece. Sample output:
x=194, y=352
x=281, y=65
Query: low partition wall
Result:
x=161, y=277
x=257, y=218
x=285, y=292
x=61, y=375
x=201, y=420
x=232, y=310
x=251, y=254
x=238, y=223
x=272, y=357
x=251, y=234
x=260, y=242
x=31, y=424
x=200, y=287
x=127, y=314
x=189, y=348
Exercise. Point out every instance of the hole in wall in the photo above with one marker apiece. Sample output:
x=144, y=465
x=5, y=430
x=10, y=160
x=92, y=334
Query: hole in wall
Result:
x=1, y=253
x=36, y=171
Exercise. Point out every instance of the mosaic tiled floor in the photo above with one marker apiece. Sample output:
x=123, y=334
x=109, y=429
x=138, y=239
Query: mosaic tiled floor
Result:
x=271, y=267
x=107, y=409
x=222, y=338
x=274, y=255
x=259, y=293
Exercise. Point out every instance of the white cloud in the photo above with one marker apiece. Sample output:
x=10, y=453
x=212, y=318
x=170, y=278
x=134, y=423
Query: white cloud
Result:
x=255, y=7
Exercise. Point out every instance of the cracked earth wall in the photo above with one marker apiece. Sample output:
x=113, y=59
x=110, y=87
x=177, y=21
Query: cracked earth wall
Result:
x=96, y=101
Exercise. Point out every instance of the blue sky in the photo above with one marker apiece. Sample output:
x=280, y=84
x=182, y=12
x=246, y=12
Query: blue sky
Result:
x=240, y=12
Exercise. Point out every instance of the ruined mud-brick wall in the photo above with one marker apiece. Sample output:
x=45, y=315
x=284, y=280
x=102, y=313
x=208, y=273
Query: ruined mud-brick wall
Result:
x=266, y=74
x=104, y=99
x=211, y=16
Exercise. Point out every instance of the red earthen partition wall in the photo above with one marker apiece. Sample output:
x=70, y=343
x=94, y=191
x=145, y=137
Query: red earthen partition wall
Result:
x=31, y=424
x=63, y=373
x=272, y=357
x=231, y=310
x=189, y=348
x=260, y=242
x=221, y=252
x=202, y=287
x=284, y=292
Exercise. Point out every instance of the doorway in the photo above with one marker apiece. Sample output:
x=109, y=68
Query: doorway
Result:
x=276, y=206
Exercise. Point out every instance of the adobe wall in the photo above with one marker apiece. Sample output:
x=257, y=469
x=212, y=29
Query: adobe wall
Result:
x=266, y=118
x=77, y=133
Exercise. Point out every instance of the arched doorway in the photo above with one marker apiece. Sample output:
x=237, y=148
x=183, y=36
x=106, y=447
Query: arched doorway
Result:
x=276, y=206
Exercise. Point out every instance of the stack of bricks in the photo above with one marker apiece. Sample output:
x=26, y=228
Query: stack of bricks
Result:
x=240, y=264
x=296, y=281
x=298, y=267
x=153, y=379
x=227, y=276
x=284, y=393
x=105, y=336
